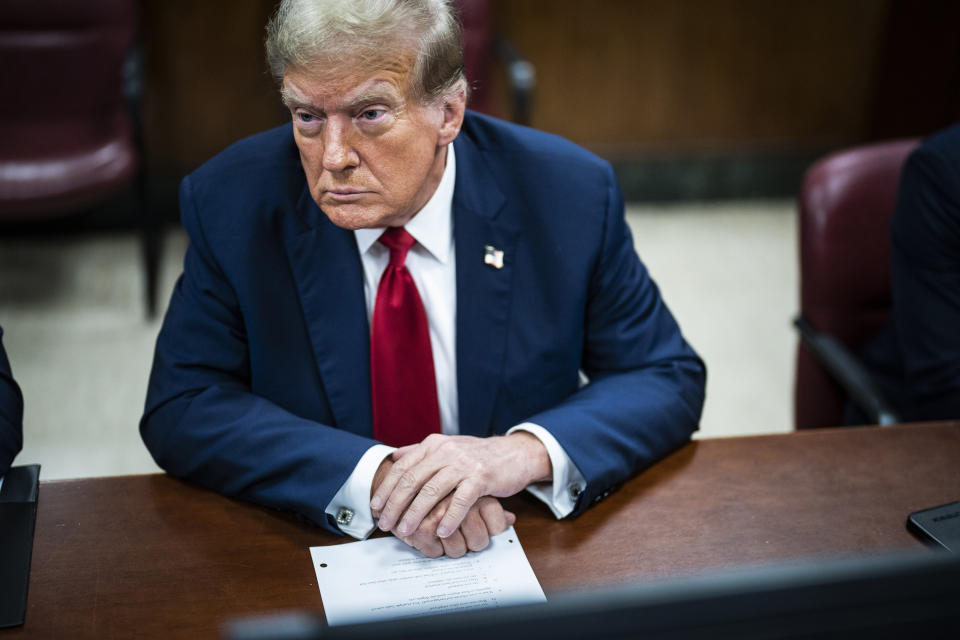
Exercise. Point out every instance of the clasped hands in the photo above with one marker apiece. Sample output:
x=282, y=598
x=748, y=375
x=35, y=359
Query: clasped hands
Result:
x=440, y=496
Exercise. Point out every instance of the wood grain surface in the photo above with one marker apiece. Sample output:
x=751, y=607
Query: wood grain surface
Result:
x=152, y=556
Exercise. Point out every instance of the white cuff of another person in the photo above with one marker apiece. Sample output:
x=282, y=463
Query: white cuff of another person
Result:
x=568, y=483
x=350, y=508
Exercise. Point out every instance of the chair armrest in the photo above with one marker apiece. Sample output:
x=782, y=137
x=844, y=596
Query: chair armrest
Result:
x=848, y=372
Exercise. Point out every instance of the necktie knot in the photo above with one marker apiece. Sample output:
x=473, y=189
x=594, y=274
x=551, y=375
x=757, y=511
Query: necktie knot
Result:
x=399, y=242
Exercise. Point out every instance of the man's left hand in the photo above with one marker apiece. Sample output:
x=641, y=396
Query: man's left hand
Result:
x=462, y=467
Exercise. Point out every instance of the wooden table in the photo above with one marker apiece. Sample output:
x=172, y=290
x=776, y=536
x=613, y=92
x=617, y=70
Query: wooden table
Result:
x=154, y=556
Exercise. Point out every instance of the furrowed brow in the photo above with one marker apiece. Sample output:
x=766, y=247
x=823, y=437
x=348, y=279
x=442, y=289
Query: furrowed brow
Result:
x=292, y=101
x=382, y=92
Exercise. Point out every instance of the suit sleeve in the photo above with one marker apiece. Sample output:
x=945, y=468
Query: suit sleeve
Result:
x=925, y=269
x=202, y=421
x=646, y=385
x=11, y=413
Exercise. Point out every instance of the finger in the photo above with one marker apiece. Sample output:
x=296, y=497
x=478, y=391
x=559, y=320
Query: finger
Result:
x=397, y=489
x=424, y=542
x=511, y=518
x=392, y=477
x=396, y=502
x=493, y=516
x=432, y=548
x=466, y=494
x=424, y=539
x=454, y=545
x=474, y=531
x=431, y=493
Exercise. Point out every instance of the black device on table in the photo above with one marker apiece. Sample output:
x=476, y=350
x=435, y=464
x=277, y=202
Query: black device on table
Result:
x=18, y=513
x=938, y=526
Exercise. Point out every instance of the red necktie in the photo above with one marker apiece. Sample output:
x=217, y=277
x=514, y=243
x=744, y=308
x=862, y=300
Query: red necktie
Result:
x=403, y=384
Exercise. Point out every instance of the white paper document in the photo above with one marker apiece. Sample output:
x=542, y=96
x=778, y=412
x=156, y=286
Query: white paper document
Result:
x=383, y=578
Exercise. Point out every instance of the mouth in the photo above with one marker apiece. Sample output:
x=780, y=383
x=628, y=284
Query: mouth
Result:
x=344, y=194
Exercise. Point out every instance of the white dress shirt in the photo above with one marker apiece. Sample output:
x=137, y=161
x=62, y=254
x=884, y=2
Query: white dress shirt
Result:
x=432, y=264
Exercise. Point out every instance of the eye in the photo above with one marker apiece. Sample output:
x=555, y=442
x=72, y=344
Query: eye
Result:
x=306, y=118
x=371, y=114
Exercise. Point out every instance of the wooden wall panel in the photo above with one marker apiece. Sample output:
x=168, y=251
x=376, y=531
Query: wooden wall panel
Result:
x=629, y=74
x=208, y=83
x=618, y=76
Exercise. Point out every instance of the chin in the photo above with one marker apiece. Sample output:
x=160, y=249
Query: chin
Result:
x=358, y=216
x=353, y=217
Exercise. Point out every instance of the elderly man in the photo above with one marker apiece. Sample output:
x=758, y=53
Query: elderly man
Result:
x=11, y=413
x=390, y=269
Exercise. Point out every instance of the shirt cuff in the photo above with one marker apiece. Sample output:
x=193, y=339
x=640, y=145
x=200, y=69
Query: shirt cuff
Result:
x=350, y=507
x=568, y=483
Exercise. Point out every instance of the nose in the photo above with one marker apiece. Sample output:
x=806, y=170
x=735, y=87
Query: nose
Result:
x=338, y=152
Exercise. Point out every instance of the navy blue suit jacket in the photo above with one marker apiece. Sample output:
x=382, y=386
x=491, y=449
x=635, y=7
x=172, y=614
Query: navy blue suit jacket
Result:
x=260, y=384
x=11, y=413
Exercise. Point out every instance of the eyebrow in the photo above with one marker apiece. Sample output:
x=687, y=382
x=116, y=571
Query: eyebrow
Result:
x=293, y=100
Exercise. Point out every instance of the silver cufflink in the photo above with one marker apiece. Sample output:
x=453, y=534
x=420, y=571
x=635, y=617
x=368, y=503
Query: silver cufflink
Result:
x=574, y=490
x=344, y=516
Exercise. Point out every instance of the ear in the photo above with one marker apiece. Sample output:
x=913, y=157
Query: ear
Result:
x=453, y=106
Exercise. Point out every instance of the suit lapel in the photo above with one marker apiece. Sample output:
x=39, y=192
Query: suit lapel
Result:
x=326, y=266
x=483, y=291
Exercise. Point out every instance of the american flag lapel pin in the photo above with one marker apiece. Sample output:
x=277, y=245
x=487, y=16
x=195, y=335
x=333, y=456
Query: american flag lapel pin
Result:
x=493, y=257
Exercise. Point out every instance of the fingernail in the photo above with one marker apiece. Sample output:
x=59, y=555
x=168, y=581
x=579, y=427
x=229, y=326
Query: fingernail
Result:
x=383, y=525
x=376, y=502
x=443, y=531
x=404, y=528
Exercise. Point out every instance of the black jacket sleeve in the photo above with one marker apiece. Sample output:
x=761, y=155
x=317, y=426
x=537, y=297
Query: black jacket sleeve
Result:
x=11, y=413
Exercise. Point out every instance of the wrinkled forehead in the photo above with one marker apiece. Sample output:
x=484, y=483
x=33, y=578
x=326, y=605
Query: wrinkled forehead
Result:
x=346, y=78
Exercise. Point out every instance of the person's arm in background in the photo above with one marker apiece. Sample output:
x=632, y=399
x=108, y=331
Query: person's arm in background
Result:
x=925, y=266
x=11, y=413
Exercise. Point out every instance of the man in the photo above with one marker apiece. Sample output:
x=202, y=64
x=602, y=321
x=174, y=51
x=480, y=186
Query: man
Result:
x=917, y=355
x=11, y=414
x=302, y=334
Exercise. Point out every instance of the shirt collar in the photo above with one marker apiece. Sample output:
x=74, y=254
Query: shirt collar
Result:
x=432, y=226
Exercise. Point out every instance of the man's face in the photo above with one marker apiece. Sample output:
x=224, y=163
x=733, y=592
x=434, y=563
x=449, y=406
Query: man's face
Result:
x=373, y=155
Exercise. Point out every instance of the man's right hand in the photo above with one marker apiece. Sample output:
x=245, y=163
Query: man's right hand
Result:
x=485, y=518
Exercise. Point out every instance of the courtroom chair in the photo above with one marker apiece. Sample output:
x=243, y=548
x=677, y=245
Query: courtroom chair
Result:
x=845, y=206
x=71, y=134
x=481, y=47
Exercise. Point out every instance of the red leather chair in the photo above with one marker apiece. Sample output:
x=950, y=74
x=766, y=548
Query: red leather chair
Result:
x=845, y=207
x=69, y=114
